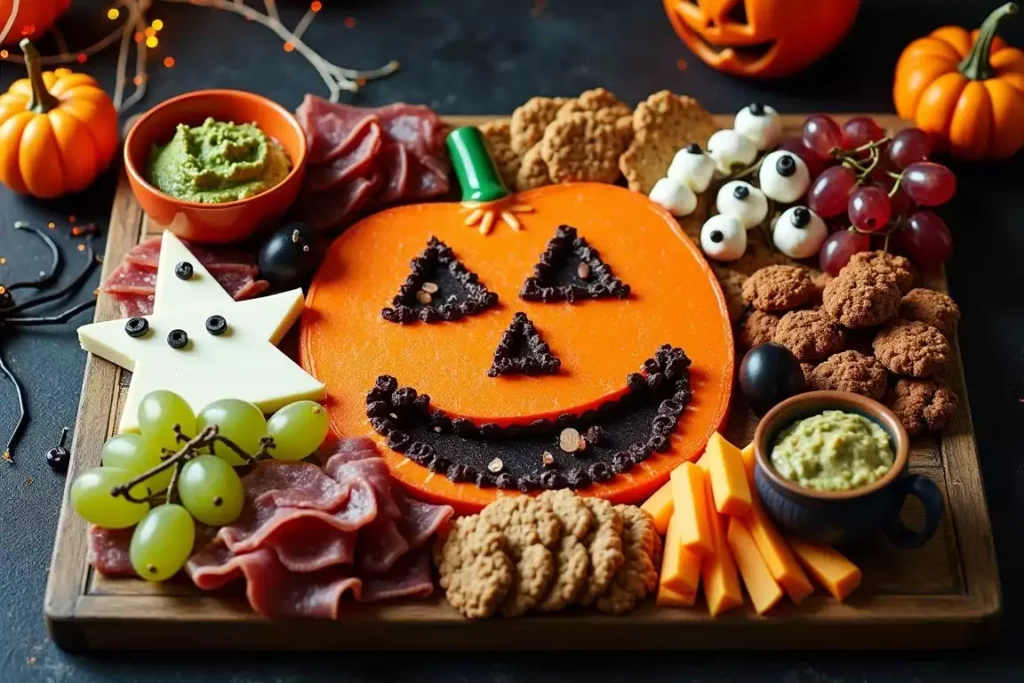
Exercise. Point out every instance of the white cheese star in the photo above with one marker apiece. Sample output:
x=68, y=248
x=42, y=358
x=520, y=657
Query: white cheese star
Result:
x=243, y=362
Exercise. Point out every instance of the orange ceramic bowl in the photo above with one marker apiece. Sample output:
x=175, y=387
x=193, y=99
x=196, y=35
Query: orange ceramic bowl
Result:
x=214, y=223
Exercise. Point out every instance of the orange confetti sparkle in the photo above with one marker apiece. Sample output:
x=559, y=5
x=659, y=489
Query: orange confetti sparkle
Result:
x=139, y=36
x=81, y=57
x=316, y=6
x=71, y=218
x=350, y=22
x=4, y=54
x=681, y=64
x=81, y=247
x=138, y=79
x=150, y=32
x=288, y=47
x=168, y=62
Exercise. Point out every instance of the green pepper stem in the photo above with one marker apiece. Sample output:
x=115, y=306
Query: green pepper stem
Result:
x=976, y=65
x=477, y=174
x=42, y=101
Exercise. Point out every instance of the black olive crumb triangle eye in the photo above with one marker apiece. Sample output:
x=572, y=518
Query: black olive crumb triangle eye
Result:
x=439, y=288
x=570, y=270
x=522, y=351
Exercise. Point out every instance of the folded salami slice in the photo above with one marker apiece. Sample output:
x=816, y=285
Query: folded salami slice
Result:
x=352, y=163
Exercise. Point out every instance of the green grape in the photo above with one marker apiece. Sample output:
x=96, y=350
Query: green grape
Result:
x=136, y=454
x=239, y=421
x=162, y=542
x=211, y=491
x=298, y=430
x=159, y=412
x=90, y=496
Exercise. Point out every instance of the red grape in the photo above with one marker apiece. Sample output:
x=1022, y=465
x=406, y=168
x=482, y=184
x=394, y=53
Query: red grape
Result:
x=908, y=146
x=927, y=239
x=821, y=134
x=815, y=164
x=869, y=209
x=901, y=203
x=839, y=247
x=928, y=183
x=831, y=191
x=859, y=131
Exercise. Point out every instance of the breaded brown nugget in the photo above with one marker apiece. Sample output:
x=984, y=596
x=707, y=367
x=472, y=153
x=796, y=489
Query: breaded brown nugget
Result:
x=757, y=328
x=778, y=288
x=861, y=297
x=529, y=121
x=884, y=262
x=853, y=372
x=810, y=335
x=915, y=349
x=931, y=307
x=922, y=404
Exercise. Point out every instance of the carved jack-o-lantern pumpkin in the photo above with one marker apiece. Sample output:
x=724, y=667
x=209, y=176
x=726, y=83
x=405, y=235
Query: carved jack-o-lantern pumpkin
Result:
x=761, y=38
x=529, y=336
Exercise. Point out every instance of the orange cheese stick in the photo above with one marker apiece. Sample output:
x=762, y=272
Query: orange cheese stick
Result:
x=724, y=465
x=748, y=462
x=690, y=511
x=680, y=568
x=659, y=506
x=776, y=554
x=763, y=590
x=718, y=571
x=837, y=574
x=670, y=598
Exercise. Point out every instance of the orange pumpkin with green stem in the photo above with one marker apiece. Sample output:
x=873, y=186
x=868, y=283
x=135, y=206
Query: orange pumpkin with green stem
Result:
x=761, y=38
x=966, y=88
x=58, y=131
x=674, y=299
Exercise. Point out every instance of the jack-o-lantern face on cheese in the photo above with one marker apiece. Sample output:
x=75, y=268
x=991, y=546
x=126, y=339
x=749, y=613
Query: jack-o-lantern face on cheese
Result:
x=761, y=38
x=596, y=356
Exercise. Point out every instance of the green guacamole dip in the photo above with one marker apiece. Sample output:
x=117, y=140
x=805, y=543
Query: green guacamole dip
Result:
x=833, y=451
x=217, y=162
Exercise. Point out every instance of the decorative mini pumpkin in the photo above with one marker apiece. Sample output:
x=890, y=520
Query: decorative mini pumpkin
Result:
x=58, y=131
x=531, y=340
x=761, y=38
x=965, y=88
x=34, y=17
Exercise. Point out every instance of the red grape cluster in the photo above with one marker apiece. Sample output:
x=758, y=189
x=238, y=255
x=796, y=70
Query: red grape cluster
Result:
x=872, y=186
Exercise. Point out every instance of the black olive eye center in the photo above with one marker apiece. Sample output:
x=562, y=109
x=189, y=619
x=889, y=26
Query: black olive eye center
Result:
x=801, y=217
x=757, y=109
x=786, y=166
x=741, y=192
x=216, y=325
x=136, y=327
x=694, y=148
x=184, y=270
x=716, y=236
x=177, y=339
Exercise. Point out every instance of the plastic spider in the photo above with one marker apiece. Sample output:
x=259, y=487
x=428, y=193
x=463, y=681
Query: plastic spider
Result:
x=13, y=313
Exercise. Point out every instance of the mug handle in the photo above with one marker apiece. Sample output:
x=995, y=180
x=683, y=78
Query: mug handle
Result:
x=925, y=490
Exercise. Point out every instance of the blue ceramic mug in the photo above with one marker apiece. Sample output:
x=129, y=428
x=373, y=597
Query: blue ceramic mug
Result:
x=843, y=517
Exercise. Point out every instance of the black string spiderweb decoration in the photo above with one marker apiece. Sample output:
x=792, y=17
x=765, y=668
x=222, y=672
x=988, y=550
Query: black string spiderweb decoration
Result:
x=15, y=314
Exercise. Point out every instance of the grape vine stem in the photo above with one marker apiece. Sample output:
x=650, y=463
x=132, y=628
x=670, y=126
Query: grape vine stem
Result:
x=193, y=447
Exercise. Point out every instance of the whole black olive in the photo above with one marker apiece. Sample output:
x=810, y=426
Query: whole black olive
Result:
x=769, y=374
x=290, y=257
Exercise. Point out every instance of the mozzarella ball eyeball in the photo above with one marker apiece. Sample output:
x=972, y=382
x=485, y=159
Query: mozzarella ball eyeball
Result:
x=784, y=176
x=742, y=201
x=799, y=232
x=728, y=148
x=760, y=123
x=675, y=196
x=692, y=167
x=723, y=238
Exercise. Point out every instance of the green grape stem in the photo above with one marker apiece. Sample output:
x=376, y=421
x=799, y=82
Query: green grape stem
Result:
x=193, y=447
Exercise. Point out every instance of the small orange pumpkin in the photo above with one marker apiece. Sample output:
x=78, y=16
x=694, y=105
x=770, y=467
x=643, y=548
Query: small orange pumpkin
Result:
x=58, y=131
x=966, y=88
x=761, y=38
x=34, y=17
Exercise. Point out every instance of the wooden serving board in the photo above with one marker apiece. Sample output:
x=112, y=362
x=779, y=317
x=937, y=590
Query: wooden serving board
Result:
x=945, y=594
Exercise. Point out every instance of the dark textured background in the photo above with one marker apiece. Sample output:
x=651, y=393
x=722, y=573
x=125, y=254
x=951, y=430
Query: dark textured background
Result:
x=465, y=56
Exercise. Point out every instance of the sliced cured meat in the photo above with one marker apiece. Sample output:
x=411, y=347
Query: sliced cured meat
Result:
x=108, y=551
x=311, y=547
x=424, y=182
x=330, y=128
x=351, y=163
x=393, y=165
x=294, y=484
x=336, y=209
x=416, y=127
x=133, y=283
x=419, y=521
x=382, y=544
x=277, y=593
x=372, y=472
